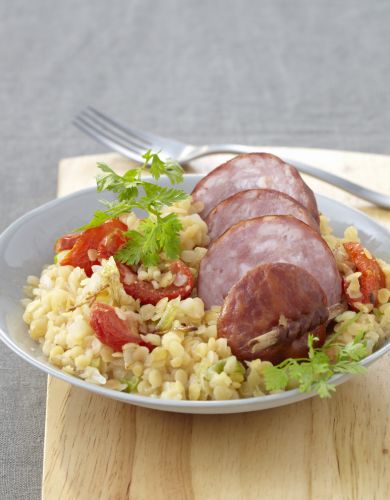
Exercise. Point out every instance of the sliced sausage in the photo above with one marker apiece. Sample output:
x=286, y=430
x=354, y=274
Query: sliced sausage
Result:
x=277, y=238
x=255, y=203
x=270, y=311
x=252, y=171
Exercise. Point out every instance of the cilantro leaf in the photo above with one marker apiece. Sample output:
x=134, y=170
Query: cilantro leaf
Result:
x=324, y=389
x=114, y=209
x=156, y=234
x=171, y=168
x=126, y=186
x=153, y=237
x=315, y=372
x=160, y=196
x=131, y=253
x=168, y=236
x=110, y=180
x=174, y=171
x=157, y=167
x=275, y=379
x=99, y=217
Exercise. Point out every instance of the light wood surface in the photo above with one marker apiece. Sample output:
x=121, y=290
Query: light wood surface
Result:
x=97, y=448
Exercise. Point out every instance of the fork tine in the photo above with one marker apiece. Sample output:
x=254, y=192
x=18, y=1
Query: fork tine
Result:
x=113, y=136
x=105, y=125
x=103, y=139
x=142, y=136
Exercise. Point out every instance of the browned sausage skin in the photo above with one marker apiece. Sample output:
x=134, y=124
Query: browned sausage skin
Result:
x=278, y=238
x=270, y=311
x=255, y=203
x=253, y=171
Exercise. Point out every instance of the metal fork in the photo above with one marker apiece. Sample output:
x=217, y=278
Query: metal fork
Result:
x=133, y=143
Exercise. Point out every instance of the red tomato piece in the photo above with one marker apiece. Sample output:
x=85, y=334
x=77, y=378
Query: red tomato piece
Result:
x=91, y=239
x=372, y=278
x=66, y=242
x=113, y=331
x=110, y=244
x=144, y=291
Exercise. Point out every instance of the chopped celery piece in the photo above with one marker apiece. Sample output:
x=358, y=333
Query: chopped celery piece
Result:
x=132, y=383
x=168, y=315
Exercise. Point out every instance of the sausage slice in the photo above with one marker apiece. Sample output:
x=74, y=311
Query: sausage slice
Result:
x=270, y=311
x=252, y=171
x=255, y=203
x=277, y=238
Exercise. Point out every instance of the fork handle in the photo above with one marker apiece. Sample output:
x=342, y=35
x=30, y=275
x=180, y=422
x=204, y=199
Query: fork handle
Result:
x=380, y=199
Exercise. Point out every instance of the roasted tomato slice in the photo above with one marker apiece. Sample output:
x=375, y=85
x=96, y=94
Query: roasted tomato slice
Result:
x=112, y=330
x=94, y=239
x=372, y=278
x=144, y=291
x=110, y=244
x=66, y=242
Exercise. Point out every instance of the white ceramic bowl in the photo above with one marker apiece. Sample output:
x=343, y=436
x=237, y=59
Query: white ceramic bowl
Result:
x=27, y=245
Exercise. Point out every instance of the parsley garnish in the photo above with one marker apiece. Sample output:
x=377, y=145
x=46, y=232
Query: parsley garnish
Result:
x=152, y=237
x=157, y=233
x=314, y=372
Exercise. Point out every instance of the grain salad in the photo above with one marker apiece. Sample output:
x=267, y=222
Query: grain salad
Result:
x=189, y=361
x=157, y=305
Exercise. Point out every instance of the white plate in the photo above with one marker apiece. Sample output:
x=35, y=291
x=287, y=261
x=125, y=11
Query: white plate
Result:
x=27, y=245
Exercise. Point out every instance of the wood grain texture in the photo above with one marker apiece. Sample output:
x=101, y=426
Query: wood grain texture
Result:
x=316, y=449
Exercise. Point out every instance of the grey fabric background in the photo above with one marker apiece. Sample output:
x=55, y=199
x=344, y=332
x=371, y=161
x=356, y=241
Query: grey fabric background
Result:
x=299, y=73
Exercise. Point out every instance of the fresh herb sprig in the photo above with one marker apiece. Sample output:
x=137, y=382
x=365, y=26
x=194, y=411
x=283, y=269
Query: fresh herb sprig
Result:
x=153, y=237
x=157, y=233
x=314, y=372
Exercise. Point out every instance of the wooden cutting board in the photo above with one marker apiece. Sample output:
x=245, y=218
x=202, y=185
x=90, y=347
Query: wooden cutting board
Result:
x=97, y=448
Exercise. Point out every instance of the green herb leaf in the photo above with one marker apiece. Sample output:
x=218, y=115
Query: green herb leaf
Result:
x=314, y=372
x=157, y=197
x=99, y=217
x=126, y=186
x=171, y=168
x=168, y=235
x=157, y=167
x=174, y=171
x=324, y=389
x=114, y=210
x=132, y=252
x=275, y=378
x=154, y=236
